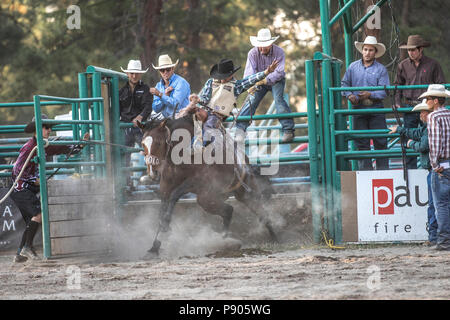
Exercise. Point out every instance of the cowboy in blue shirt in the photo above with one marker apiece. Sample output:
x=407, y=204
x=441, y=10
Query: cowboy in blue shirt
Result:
x=171, y=90
x=367, y=72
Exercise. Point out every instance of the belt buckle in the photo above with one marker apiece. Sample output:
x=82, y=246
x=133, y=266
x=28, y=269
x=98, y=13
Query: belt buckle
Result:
x=367, y=102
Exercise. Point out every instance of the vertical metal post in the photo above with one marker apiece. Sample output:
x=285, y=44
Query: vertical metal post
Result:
x=119, y=180
x=313, y=153
x=84, y=109
x=327, y=122
x=75, y=127
x=348, y=33
x=96, y=92
x=341, y=123
x=324, y=21
x=42, y=180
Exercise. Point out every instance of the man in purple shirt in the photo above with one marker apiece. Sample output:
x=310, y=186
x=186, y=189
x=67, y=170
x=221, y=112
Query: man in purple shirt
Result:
x=367, y=72
x=26, y=189
x=258, y=59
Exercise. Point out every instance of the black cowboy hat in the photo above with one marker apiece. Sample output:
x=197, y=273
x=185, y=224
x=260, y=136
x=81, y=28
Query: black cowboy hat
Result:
x=31, y=127
x=223, y=69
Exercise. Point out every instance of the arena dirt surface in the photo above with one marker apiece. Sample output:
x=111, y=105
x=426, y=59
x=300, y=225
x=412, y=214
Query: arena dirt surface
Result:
x=288, y=271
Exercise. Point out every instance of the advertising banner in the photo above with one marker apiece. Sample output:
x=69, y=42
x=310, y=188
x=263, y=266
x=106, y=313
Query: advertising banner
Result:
x=12, y=225
x=386, y=211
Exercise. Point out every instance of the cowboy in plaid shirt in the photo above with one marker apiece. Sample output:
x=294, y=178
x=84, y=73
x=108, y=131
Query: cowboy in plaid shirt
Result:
x=439, y=144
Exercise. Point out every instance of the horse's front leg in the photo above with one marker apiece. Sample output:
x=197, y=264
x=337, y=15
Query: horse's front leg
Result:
x=166, y=211
x=154, y=250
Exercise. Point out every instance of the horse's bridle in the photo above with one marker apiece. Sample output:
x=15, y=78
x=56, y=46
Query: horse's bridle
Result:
x=150, y=160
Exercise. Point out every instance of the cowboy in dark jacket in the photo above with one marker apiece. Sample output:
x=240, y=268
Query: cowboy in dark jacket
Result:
x=135, y=104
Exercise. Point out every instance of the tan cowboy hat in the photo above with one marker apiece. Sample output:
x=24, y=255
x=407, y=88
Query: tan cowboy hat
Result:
x=381, y=49
x=164, y=62
x=134, y=66
x=435, y=90
x=263, y=39
x=415, y=41
x=423, y=106
x=31, y=126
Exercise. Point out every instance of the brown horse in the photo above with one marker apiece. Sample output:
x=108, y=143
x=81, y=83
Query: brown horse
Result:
x=212, y=183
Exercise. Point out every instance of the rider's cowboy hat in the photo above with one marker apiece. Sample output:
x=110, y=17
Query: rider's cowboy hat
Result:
x=415, y=41
x=435, y=90
x=223, y=69
x=134, y=66
x=31, y=126
x=164, y=62
x=263, y=39
x=381, y=49
x=423, y=106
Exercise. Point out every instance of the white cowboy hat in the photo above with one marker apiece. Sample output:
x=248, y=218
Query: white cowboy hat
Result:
x=436, y=90
x=134, y=66
x=422, y=106
x=263, y=39
x=381, y=49
x=164, y=62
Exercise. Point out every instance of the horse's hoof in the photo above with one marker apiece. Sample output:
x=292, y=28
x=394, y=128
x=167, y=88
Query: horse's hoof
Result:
x=150, y=255
x=155, y=247
x=232, y=244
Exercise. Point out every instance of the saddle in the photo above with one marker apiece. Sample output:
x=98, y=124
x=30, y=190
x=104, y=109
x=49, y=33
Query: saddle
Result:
x=241, y=169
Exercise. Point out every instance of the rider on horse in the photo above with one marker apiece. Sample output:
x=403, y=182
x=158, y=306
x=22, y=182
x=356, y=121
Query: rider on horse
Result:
x=220, y=92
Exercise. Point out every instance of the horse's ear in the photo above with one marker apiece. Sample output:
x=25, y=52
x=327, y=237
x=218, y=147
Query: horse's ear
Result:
x=163, y=123
x=146, y=152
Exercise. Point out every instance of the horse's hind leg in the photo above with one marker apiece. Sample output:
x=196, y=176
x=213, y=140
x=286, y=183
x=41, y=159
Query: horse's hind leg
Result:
x=253, y=201
x=216, y=206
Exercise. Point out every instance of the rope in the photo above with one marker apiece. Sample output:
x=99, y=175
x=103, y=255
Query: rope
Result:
x=330, y=243
x=21, y=171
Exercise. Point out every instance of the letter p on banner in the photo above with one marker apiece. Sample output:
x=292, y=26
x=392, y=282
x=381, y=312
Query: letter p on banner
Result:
x=383, y=196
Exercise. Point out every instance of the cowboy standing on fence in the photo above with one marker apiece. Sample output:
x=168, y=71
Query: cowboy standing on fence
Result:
x=172, y=91
x=263, y=53
x=26, y=190
x=415, y=70
x=367, y=72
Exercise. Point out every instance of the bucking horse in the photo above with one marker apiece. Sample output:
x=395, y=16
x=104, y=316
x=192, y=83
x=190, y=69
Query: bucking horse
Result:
x=212, y=183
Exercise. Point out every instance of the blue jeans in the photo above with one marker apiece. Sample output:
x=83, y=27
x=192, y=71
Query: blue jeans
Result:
x=432, y=222
x=440, y=186
x=281, y=105
x=370, y=122
x=213, y=122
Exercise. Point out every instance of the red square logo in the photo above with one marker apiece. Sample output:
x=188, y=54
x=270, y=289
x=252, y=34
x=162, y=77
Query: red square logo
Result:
x=383, y=196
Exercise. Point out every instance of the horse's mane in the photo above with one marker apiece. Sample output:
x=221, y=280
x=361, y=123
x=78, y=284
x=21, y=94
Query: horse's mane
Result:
x=172, y=124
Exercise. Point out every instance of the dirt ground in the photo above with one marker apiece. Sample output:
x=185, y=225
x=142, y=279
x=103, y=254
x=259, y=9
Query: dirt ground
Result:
x=265, y=272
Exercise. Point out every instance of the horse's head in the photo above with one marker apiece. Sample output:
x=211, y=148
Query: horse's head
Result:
x=156, y=144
